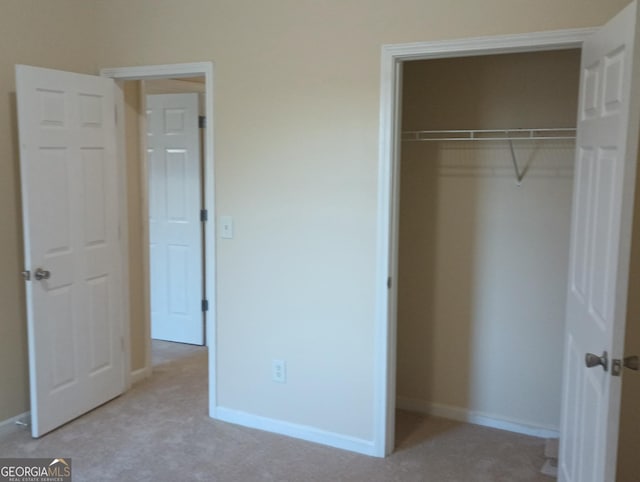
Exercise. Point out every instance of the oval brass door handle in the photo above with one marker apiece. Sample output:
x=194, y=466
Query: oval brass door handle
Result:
x=592, y=360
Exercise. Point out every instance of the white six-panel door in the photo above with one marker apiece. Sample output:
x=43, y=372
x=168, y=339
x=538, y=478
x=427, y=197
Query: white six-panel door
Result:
x=70, y=205
x=606, y=153
x=175, y=229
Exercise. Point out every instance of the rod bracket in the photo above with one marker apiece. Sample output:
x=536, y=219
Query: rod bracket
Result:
x=519, y=175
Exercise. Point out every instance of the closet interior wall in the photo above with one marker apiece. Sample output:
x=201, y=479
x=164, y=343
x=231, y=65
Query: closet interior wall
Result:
x=482, y=261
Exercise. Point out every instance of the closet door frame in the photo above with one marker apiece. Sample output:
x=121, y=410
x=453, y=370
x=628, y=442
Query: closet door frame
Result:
x=392, y=59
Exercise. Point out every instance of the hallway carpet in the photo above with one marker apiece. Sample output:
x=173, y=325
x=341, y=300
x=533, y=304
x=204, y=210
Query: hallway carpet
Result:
x=159, y=431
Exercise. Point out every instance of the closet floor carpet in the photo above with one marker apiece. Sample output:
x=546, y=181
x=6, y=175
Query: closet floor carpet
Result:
x=159, y=431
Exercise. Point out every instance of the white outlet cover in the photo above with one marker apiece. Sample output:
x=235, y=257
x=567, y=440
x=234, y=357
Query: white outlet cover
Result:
x=279, y=371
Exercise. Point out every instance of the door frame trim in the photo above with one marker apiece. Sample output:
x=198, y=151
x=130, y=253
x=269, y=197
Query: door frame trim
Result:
x=392, y=58
x=151, y=72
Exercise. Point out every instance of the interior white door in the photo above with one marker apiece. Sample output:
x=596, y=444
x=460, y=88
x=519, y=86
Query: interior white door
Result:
x=175, y=229
x=606, y=157
x=70, y=205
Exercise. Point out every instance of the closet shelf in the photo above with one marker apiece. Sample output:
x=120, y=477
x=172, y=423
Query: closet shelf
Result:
x=508, y=135
x=491, y=135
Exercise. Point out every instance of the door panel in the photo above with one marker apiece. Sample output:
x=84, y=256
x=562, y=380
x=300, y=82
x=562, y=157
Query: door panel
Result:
x=175, y=230
x=606, y=157
x=69, y=190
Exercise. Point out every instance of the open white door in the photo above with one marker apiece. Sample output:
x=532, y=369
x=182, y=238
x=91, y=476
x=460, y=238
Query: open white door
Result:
x=606, y=157
x=175, y=227
x=70, y=205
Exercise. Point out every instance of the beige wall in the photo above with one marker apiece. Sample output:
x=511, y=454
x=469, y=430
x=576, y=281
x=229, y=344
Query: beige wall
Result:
x=47, y=34
x=297, y=109
x=483, y=262
x=296, y=125
x=492, y=92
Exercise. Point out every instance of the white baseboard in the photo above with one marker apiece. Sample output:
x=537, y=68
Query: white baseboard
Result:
x=477, y=418
x=139, y=375
x=9, y=425
x=303, y=432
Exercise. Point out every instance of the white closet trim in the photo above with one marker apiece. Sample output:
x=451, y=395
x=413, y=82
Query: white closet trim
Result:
x=388, y=188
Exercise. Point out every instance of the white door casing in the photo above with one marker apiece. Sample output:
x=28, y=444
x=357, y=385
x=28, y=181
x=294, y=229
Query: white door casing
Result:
x=606, y=157
x=392, y=59
x=151, y=72
x=70, y=217
x=175, y=229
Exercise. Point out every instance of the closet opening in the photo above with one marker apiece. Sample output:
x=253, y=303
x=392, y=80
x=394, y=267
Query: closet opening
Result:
x=486, y=181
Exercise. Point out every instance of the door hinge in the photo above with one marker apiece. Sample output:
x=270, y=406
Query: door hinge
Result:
x=389, y=283
x=205, y=305
x=204, y=215
x=202, y=121
x=26, y=274
x=122, y=344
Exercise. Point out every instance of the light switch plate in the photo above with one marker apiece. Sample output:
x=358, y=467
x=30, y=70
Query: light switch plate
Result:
x=226, y=227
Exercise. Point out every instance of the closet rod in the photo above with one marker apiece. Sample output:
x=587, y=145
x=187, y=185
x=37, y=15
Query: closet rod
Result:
x=491, y=134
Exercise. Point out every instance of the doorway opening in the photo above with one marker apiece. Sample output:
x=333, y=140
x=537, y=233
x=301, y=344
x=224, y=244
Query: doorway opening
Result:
x=172, y=146
x=137, y=83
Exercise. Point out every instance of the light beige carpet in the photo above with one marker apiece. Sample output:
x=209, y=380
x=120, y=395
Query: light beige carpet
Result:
x=160, y=431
